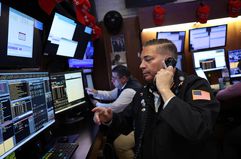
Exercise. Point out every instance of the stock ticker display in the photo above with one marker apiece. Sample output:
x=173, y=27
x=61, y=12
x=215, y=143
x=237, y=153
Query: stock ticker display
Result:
x=25, y=108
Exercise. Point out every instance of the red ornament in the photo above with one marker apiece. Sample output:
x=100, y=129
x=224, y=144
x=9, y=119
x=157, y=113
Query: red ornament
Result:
x=158, y=15
x=96, y=32
x=89, y=19
x=234, y=7
x=80, y=16
x=81, y=11
x=83, y=5
x=203, y=11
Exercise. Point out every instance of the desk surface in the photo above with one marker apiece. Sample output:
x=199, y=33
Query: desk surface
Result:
x=85, y=141
x=86, y=132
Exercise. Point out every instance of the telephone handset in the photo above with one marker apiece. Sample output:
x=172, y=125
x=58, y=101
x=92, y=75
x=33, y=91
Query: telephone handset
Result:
x=170, y=61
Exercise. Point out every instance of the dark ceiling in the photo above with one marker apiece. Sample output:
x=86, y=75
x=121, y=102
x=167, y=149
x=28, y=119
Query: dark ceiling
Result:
x=32, y=8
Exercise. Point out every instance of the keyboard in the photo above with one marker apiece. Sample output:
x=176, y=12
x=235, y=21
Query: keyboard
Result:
x=61, y=151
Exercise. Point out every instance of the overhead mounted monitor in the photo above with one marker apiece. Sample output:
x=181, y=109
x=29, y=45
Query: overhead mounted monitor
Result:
x=87, y=61
x=207, y=37
x=234, y=58
x=177, y=37
x=179, y=62
x=67, y=89
x=25, y=106
x=67, y=37
x=21, y=39
x=210, y=60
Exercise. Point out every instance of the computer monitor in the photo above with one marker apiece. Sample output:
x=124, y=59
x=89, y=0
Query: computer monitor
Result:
x=207, y=37
x=177, y=37
x=179, y=62
x=210, y=60
x=234, y=57
x=67, y=37
x=21, y=39
x=26, y=108
x=88, y=80
x=67, y=89
x=200, y=73
x=87, y=61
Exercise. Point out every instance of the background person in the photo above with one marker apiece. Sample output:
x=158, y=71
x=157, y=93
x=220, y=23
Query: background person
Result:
x=125, y=89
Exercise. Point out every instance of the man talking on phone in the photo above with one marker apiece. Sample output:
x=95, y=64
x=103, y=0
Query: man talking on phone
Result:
x=173, y=115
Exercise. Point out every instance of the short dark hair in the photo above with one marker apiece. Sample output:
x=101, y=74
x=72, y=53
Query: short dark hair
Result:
x=121, y=71
x=164, y=44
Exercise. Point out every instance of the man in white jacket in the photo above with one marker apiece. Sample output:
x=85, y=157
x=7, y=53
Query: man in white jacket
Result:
x=121, y=96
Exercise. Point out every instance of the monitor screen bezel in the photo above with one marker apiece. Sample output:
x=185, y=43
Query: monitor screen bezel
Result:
x=90, y=74
x=82, y=44
x=81, y=62
x=230, y=74
x=47, y=124
x=212, y=69
x=73, y=105
x=174, y=32
x=204, y=49
x=17, y=62
x=180, y=60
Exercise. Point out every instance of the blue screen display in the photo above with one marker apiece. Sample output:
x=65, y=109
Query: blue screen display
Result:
x=234, y=58
x=87, y=61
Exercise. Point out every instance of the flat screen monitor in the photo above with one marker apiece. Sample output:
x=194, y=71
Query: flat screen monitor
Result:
x=67, y=89
x=87, y=61
x=207, y=37
x=178, y=38
x=26, y=108
x=21, y=39
x=67, y=38
x=87, y=70
x=179, y=62
x=210, y=60
x=200, y=73
x=234, y=57
x=89, y=80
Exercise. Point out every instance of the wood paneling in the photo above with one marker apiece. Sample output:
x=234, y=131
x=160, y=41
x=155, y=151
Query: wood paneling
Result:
x=101, y=70
x=103, y=51
x=182, y=13
x=132, y=41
